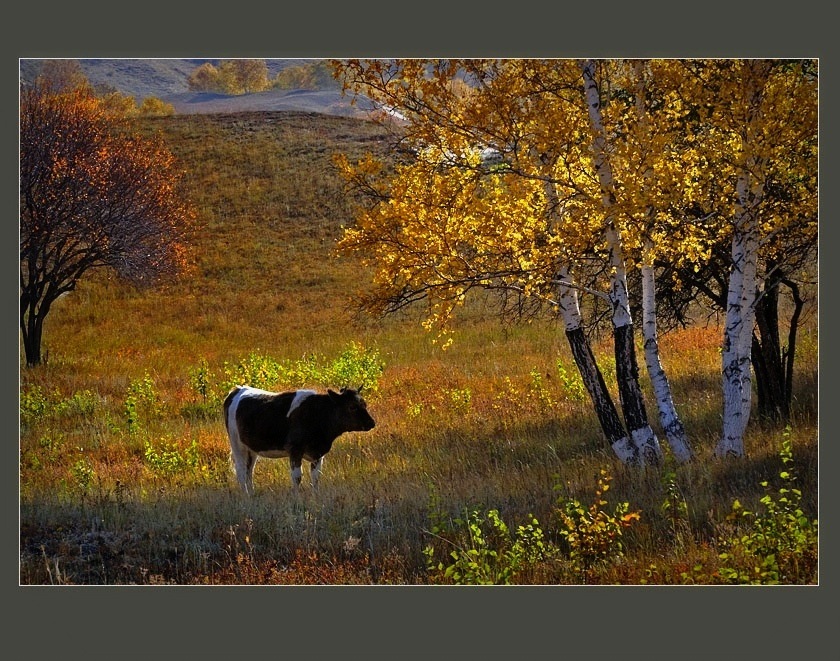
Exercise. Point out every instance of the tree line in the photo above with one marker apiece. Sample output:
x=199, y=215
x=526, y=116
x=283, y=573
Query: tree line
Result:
x=65, y=75
x=245, y=76
x=644, y=186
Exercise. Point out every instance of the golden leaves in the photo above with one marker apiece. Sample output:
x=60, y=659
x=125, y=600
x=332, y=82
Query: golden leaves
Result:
x=676, y=136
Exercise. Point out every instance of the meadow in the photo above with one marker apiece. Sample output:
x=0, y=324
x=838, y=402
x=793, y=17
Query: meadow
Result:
x=486, y=464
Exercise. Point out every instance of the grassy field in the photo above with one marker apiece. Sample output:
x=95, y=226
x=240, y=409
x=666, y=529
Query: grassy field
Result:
x=124, y=464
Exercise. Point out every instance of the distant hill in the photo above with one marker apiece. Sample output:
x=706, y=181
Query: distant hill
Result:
x=167, y=79
x=320, y=101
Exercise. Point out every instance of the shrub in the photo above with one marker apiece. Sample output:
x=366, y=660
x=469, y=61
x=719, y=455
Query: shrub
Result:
x=168, y=459
x=572, y=383
x=356, y=366
x=780, y=542
x=83, y=474
x=155, y=107
x=482, y=549
x=33, y=404
x=36, y=404
x=141, y=401
x=593, y=534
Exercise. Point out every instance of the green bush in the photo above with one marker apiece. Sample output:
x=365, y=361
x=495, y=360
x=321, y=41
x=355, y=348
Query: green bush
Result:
x=780, y=542
x=35, y=404
x=481, y=549
x=354, y=367
x=168, y=459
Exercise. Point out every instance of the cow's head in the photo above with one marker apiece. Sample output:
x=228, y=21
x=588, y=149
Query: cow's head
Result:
x=352, y=410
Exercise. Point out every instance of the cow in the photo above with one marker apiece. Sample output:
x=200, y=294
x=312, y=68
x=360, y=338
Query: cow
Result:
x=299, y=424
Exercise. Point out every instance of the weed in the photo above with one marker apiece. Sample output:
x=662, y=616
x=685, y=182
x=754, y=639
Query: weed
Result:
x=572, y=383
x=674, y=505
x=355, y=366
x=538, y=390
x=141, y=401
x=414, y=410
x=593, y=534
x=83, y=474
x=460, y=399
x=200, y=379
x=483, y=549
x=168, y=459
x=780, y=542
x=33, y=404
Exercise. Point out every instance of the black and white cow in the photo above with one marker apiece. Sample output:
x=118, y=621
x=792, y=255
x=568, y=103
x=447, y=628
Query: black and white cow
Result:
x=300, y=424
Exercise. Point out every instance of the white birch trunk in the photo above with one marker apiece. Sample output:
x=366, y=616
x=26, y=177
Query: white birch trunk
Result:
x=740, y=320
x=622, y=445
x=668, y=417
x=640, y=431
x=737, y=341
x=732, y=441
x=749, y=296
x=741, y=296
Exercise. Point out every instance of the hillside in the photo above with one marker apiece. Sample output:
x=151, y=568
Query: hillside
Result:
x=320, y=101
x=167, y=79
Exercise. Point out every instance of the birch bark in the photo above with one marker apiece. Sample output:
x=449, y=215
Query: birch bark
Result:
x=593, y=379
x=591, y=375
x=669, y=419
x=627, y=373
x=741, y=295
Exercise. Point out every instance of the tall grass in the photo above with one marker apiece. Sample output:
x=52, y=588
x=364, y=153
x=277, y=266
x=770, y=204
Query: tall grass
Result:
x=125, y=471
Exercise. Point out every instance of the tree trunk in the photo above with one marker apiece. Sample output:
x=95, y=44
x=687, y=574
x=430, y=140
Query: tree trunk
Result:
x=32, y=341
x=767, y=354
x=741, y=296
x=737, y=344
x=591, y=375
x=627, y=372
x=668, y=417
x=31, y=326
x=773, y=364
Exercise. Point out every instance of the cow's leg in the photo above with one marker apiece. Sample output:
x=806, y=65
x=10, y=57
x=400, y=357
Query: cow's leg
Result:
x=296, y=471
x=250, y=462
x=243, y=463
x=315, y=470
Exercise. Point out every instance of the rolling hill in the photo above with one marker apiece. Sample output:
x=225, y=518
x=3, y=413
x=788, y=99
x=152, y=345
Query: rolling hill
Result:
x=167, y=79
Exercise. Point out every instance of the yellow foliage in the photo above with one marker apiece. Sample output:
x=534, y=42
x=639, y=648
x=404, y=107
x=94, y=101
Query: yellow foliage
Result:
x=678, y=133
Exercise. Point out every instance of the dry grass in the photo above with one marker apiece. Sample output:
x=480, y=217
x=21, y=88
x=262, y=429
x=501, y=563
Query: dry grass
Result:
x=490, y=423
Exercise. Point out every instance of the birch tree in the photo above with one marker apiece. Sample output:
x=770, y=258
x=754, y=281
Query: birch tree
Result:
x=533, y=117
x=650, y=157
x=632, y=401
x=757, y=126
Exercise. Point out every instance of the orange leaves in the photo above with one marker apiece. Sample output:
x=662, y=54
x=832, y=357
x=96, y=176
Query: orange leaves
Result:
x=86, y=178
